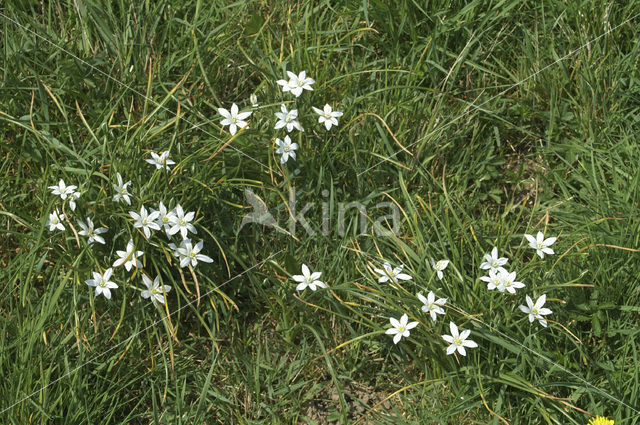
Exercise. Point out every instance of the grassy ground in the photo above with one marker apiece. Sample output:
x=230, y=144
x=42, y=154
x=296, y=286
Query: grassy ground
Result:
x=480, y=120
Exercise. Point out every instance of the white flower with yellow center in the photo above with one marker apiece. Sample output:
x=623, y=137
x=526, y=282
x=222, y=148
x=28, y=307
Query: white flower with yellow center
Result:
x=540, y=244
x=458, y=341
x=62, y=190
x=145, y=221
x=327, y=116
x=508, y=282
x=55, y=221
x=286, y=149
x=431, y=305
x=308, y=279
x=128, y=258
x=160, y=161
x=296, y=83
x=102, y=283
x=536, y=310
x=391, y=273
x=288, y=119
x=92, y=235
x=154, y=290
x=493, y=262
x=189, y=254
x=439, y=267
x=165, y=218
x=181, y=222
x=400, y=328
x=234, y=119
x=493, y=280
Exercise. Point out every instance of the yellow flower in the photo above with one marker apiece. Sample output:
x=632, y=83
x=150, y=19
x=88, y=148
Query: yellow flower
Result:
x=599, y=420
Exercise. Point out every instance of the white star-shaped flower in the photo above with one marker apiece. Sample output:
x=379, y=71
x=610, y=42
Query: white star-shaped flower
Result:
x=62, y=190
x=296, y=83
x=181, y=222
x=286, y=149
x=439, y=267
x=536, y=311
x=189, y=254
x=121, y=191
x=431, y=305
x=234, y=119
x=494, y=280
x=287, y=119
x=102, y=283
x=165, y=218
x=93, y=235
x=160, y=161
x=458, y=341
x=327, y=116
x=145, y=221
x=154, y=290
x=540, y=244
x=400, y=328
x=308, y=279
x=492, y=262
x=508, y=282
x=128, y=258
x=55, y=221
x=391, y=273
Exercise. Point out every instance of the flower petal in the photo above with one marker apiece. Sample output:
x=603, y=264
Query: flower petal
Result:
x=454, y=330
x=394, y=322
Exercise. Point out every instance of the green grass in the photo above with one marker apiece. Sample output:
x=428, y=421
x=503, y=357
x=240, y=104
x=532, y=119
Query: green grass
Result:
x=497, y=145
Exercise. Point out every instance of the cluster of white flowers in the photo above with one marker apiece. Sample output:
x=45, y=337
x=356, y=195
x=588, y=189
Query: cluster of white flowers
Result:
x=56, y=217
x=296, y=83
x=173, y=222
x=64, y=192
x=499, y=278
x=430, y=305
x=288, y=119
x=504, y=281
x=176, y=221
